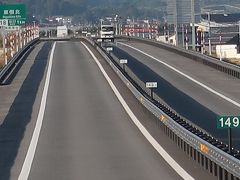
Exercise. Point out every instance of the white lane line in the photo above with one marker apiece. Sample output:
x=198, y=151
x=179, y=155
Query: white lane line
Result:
x=143, y=130
x=33, y=144
x=186, y=76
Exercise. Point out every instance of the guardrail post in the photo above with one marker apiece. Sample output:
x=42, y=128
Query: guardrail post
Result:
x=4, y=49
x=194, y=154
x=210, y=164
x=202, y=160
x=198, y=157
x=220, y=173
x=215, y=169
x=225, y=174
x=205, y=163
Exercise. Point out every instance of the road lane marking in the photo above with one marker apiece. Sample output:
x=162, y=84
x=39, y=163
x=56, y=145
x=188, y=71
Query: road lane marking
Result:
x=33, y=144
x=186, y=76
x=143, y=130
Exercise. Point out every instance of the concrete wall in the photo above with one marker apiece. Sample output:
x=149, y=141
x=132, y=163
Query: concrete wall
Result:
x=227, y=51
x=171, y=40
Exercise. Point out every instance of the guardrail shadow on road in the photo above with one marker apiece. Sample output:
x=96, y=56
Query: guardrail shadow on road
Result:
x=14, y=125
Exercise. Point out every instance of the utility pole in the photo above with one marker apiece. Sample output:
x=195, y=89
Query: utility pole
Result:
x=220, y=38
x=175, y=14
x=4, y=46
x=193, y=24
x=186, y=38
x=239, y=36
x=34, y=30
x=209, y=35
x=183, y=36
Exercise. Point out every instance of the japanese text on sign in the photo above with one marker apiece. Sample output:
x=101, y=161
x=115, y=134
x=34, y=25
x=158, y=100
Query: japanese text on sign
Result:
x=12, y=11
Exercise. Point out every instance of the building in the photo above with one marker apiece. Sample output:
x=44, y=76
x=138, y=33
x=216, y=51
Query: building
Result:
x=179, y=11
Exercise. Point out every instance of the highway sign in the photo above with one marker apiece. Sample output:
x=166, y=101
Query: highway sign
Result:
x=151, y=84
x=12, y=28
x=3, y=22
x=228, y=122
x=109, y=48
x=123, y=61
x=16, y=22
x=12, y=11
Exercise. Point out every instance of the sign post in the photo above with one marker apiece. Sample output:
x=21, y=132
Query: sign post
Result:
x=151, y=85
x=12, y=16
x=123, y=62
x=229, y=122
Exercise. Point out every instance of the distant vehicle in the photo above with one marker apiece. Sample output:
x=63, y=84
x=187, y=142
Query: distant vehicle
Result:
x=62, y=31
x=106, y=32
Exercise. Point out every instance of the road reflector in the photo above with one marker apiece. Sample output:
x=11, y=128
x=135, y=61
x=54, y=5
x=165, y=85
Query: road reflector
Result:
x=204, y=148
x=162, y=118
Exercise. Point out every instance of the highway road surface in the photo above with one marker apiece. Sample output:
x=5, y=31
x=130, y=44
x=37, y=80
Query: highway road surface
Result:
x=192, y=101
x=86, y=133
x=60, y=119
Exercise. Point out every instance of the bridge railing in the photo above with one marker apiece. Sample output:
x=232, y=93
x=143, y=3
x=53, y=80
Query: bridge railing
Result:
x=15, y=62
x=207, y=151
x=226, y=67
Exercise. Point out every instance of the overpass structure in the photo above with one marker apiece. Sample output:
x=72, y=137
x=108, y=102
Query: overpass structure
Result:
x=71, y=111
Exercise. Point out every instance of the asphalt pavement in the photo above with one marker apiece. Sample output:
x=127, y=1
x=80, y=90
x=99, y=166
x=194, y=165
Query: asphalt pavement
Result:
x=86, y=133
x=188, y=99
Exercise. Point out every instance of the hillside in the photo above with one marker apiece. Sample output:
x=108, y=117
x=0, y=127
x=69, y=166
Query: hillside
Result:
x=93, y=9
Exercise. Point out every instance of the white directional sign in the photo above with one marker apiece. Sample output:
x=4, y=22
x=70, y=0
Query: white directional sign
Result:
x=12, y=28
x=3, y=22
x=109, y=48
x=151, y=84
x=123, y=61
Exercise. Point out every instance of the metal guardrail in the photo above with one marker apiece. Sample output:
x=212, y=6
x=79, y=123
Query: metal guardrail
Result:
x=16, y=61
x=67, y=38
x=220, y=163
x=226, y=67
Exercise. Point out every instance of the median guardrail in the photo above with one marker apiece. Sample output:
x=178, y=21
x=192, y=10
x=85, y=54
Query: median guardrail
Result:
x=226, y=67
x=7, y=71
x=208, y=152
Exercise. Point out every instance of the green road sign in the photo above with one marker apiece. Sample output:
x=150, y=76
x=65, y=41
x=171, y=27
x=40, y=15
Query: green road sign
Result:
x=228, y=122
x=12, y=11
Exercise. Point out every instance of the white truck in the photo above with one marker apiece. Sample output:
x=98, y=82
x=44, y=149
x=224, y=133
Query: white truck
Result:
x=106, y=32
x=62, y=31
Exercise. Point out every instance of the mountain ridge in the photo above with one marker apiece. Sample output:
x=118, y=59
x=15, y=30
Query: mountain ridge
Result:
x=93, y=9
